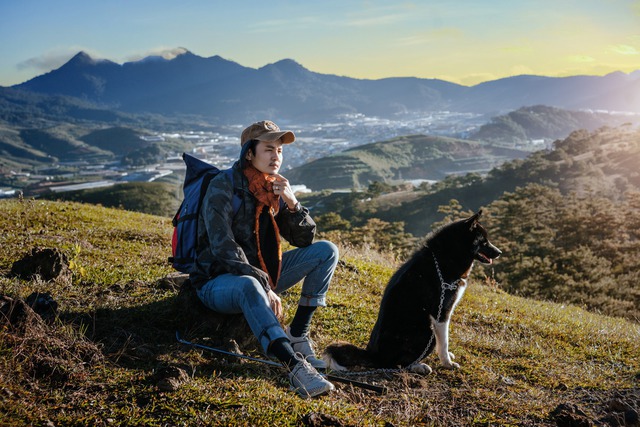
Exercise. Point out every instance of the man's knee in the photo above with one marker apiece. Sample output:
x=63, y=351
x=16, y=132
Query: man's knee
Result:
x=251, y=289
x=328, y=249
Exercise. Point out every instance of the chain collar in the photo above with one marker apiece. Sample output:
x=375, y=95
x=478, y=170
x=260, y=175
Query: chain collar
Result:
x=445, y=286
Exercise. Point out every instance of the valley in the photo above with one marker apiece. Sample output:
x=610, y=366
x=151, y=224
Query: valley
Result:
x=220, y=147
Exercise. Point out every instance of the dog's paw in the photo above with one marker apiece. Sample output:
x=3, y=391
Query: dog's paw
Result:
x=420, y=368
x=448, y=362
x=451, y=365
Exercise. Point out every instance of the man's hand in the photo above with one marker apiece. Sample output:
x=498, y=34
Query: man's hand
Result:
x=282, y=188
x=276, y=304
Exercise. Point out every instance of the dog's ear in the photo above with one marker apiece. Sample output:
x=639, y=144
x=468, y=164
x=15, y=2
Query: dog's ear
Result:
x=473, y=220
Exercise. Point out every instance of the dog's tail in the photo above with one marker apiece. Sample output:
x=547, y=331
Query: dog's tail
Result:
x=341, y=355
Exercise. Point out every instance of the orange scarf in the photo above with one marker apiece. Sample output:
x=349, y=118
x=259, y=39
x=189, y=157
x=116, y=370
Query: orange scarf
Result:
x=261, y=186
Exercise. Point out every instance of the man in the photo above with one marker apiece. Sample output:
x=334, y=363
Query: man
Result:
x=240, y=267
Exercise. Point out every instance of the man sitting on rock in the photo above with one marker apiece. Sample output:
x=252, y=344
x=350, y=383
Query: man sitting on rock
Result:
x=240, y=267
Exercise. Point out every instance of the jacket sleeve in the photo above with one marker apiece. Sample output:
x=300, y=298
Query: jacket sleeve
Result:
x=298, y=228
x=227, y=255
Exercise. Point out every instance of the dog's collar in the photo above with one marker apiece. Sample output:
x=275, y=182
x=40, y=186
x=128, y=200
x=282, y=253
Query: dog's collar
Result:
x=446, y=286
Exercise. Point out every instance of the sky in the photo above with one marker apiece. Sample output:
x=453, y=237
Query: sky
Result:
x=461, y=41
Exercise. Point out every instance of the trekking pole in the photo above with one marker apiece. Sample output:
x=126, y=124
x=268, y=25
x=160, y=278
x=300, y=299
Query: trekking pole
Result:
x=359, y=384
x=228, y=353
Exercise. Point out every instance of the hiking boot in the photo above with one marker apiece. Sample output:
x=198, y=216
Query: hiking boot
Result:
x=304, y=346
x=307, y=382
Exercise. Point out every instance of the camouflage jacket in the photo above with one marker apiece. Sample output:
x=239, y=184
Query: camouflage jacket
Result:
x=227, y=242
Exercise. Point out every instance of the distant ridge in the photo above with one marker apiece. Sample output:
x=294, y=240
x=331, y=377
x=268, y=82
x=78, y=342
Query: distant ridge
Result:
x=227, y=92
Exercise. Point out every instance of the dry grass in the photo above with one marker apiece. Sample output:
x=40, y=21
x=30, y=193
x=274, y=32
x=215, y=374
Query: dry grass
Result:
x=110, y=358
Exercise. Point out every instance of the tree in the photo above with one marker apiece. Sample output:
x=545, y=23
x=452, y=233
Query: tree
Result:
x=332, y=222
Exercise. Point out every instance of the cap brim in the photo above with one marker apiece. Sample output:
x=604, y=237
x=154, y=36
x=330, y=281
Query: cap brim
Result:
x=287, y=136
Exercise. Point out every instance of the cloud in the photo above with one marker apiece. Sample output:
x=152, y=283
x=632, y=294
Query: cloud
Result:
x=165, y=52
x=52, y=59
x=624, y=49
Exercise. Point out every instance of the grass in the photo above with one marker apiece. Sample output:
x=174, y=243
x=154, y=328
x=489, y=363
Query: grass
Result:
x=100, y=362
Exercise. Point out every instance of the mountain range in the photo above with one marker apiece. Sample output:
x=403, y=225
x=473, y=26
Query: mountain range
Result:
x=224, y=91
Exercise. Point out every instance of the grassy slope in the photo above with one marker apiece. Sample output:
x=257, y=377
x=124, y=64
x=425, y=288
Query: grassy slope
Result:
x=519, y=359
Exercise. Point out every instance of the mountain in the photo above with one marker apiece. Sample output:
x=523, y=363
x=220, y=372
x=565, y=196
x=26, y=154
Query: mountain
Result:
x=614, y=92
x=24, y=109
x=226, y=92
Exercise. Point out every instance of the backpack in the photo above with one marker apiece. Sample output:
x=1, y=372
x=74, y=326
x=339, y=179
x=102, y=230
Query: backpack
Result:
x=185, y=222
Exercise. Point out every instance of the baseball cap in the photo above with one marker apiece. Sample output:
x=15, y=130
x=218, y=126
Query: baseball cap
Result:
x=266, y=130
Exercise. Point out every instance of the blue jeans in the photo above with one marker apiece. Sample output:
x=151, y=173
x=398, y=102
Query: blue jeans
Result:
x=232, y=294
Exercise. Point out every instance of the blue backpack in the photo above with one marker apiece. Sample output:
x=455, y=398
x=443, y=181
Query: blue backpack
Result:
x=185, y=222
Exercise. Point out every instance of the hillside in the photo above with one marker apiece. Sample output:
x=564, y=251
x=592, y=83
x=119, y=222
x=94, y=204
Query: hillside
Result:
x=33, y=109
x=156, y=198
x=431, y=157
x=111, y=357
x=407, y=157
x=603, y=162
x=540, y=122
x=38, y=130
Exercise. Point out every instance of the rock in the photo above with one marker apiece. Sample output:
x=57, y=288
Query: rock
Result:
x=18, y=316
x=219, y=328
x=569, y=415
x=170, y=378
x=618, y=405
x=48, y=264
x=628, y=418
x=173, y=281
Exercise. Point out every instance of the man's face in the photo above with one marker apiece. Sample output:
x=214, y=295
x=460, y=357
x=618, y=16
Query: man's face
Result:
x=268, y=157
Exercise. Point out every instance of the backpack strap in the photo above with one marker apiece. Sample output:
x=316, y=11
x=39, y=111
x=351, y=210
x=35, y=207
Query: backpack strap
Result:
x=236, y=200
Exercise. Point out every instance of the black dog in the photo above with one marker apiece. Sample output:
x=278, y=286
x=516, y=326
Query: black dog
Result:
x=418, y=302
